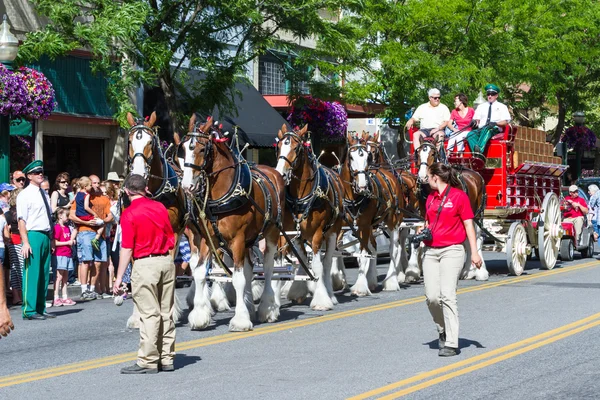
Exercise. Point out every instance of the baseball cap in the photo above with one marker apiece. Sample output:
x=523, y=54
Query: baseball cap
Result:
x=6, y=186
x=573, y=188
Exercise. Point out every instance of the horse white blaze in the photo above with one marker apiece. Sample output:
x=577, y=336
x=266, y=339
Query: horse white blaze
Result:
x=187, y=181
x=284, y=151
x=138, y=165
x=423, y=156
x=359, y=163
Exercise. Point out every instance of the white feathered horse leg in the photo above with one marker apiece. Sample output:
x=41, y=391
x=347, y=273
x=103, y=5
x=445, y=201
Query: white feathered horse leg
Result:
x=404, y=232
x=338, y=274
x=199, y=317
x=390, y=283
x=328, y=261
x=241, y=321
x=321, y=300
x=469, y=271
x=413, y=271
x=268, y=309
x=361, y=287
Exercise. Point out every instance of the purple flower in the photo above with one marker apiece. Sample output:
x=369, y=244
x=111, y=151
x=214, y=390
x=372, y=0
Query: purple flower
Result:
x=324, y=118
x=25, y=93
x=579, y=138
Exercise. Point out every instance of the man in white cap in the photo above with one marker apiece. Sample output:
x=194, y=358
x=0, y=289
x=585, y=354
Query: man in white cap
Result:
x=114, y=178
x=575, y=210
x=433, y=118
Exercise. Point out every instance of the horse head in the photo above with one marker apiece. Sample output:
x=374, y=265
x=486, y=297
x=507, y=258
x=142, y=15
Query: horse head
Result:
x=194, y=152
x=358, y=162
x=290, y=146
x=374, y=147
x=142, y=139
x=426, y=155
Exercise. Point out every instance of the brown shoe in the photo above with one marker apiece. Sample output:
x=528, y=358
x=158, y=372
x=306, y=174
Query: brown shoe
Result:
x=448, y=352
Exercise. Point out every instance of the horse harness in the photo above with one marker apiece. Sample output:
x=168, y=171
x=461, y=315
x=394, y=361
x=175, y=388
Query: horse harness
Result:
x=318, y=196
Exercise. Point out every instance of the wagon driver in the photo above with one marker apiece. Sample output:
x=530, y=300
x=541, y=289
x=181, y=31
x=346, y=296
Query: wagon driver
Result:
x=490, y=114
x=433, y=118
x=575, y=210
x=147, y=237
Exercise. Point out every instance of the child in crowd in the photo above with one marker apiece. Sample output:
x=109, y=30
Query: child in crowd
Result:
x=83, y=209
x=64, y=260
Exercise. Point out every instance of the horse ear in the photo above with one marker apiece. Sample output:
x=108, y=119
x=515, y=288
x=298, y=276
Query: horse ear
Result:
x=152, y=120
x=192, y=123
x=280, y=134
x=176, y=138
x=283, y=128
x=303, y=130
x=376, y=137
x=349, y=137
x=130, y=119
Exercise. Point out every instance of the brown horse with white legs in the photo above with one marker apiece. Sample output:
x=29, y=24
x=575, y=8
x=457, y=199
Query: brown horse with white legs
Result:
x=314, y=210
x=372, y=198
x=472, y=184
x=235, y=206
x=380, y=161
x=145, y=158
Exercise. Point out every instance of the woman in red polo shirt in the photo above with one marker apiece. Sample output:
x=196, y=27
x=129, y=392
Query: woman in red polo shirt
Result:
x=450, y=219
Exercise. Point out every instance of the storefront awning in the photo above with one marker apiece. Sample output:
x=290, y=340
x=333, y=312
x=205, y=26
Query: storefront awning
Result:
x=257, y=122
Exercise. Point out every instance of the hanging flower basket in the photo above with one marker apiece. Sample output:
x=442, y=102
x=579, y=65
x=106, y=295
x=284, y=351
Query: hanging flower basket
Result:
x=25, y=93
x=326, y=120
x=579, y=138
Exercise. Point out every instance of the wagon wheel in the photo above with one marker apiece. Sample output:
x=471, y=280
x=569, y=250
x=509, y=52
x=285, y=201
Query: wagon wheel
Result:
x=549, y=231
x=517, y=248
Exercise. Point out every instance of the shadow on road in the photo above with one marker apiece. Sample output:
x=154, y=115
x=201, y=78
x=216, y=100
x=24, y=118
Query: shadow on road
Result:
x=64, y=312
x=183, y=360
x=462, y=344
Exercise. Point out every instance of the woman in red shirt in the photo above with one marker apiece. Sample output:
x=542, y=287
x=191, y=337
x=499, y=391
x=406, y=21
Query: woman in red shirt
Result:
x=450, y=218
x=460, y=120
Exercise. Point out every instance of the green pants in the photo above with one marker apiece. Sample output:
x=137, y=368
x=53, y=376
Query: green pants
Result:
x=36, y=274
x=479, y=138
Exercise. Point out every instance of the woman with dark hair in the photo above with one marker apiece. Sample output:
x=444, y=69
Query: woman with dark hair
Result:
x=13, y=243
x=60, y=196
x=449, y=218
x=460, y=120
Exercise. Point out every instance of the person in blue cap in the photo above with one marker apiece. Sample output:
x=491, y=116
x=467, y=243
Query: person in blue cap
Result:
x=488, y=116
x=35, y=228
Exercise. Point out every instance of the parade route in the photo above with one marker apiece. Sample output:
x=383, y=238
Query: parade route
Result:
x=382, y=346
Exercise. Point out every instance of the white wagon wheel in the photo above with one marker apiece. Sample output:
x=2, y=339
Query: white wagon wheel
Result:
x=517, y=248
x=549, y=231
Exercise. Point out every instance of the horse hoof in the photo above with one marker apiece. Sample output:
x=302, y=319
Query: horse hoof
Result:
x=268, y=313
x=401, y=277
x=239, y=324
x=199, y=319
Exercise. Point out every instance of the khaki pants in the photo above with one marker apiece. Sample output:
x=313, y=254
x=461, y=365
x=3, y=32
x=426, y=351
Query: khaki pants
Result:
x=153, y=285
x=578, y=224
x=441, y=270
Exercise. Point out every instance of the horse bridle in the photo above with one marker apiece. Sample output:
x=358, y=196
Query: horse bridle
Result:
x=433, y=149
x=139, y=129
x=298, y=150
x=193, y=137
x=360, y=146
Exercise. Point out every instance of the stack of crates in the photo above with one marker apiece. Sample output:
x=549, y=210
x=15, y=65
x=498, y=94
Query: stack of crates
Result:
x=530, y=145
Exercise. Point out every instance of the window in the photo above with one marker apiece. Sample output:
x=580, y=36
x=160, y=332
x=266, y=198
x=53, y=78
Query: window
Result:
x=272, y=79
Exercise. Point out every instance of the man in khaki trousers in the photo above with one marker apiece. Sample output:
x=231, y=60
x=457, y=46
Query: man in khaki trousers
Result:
x=147, y=237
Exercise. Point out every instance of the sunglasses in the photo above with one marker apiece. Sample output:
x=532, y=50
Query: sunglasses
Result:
x=63, y=182
x=492, y=94
x=435, y=98
x=20, y=179
x=573, y=192
x=37, y=173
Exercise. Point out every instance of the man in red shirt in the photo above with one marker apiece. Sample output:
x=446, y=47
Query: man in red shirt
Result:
x=575, y=209
x=147, y=237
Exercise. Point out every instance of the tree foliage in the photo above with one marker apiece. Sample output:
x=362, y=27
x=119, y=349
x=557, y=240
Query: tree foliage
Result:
x=156, y=42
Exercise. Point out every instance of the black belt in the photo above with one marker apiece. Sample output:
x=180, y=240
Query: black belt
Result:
x=152, y=255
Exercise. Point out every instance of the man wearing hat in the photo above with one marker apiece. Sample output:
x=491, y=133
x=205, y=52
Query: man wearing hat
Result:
x=488, y=116
x=433, y=118
x=575, y=210
x=35, y=228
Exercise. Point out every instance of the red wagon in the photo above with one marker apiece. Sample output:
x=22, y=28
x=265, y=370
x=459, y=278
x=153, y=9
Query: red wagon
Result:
x=523, y=181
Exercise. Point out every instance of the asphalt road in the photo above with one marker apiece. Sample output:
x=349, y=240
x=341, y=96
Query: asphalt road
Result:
x=531, y=337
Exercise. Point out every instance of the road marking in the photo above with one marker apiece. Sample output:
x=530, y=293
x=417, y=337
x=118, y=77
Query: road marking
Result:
x=491, y=361
x=82, y=366
x=494, y=357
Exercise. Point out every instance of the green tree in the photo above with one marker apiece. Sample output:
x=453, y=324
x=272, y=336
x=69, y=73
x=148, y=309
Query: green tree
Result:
x=155, y=42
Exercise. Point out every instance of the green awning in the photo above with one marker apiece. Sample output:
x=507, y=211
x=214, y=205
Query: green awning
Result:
x=21, y=127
